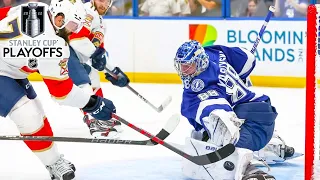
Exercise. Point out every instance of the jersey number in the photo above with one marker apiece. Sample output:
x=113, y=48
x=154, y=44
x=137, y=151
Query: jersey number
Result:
x=206, y=95
x=14, y=32
x=234, y=85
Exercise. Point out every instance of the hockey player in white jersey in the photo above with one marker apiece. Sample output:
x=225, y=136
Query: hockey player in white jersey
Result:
x=28, y=46
x=223, y=110
x=88, y=44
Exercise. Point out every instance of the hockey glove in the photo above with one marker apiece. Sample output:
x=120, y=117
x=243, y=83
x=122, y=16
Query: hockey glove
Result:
x=99, y=59
x=121, y=80
x=100, y=108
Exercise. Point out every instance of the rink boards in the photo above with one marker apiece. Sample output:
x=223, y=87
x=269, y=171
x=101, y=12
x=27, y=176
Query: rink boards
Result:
x=145, y=48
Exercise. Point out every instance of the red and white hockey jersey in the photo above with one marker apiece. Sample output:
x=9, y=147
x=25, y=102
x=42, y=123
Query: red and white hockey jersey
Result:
x=54, y=70
x=90, y=36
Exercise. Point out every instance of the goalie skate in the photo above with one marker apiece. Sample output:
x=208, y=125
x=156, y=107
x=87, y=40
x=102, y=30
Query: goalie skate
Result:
x=276, y=151
x=62, y=169
x=102, y=129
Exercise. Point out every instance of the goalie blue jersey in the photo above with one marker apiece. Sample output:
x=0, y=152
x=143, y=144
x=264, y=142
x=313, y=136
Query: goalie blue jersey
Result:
x=220, y=86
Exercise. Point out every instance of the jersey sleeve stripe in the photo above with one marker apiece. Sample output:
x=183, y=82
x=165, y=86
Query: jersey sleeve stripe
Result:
x=27, y=70
x=77, y=39
x=83, y=33
x=249, y=65
x=59, y=98
x=59, y=88
x=211, y=102
x=4, y=12
x=55, y=78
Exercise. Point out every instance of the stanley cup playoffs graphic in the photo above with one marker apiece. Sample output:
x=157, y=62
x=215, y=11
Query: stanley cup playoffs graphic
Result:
x=32, y=20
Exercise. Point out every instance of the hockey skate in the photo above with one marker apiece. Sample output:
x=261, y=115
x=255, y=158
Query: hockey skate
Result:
x=62, y=169
x=253, y=173
x=103, y=129
x=276, y=151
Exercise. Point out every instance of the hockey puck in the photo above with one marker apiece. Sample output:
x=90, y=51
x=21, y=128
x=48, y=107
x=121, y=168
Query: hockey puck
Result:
x=228, y=166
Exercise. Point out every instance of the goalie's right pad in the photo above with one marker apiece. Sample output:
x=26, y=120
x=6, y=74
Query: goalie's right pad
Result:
x=230, y=168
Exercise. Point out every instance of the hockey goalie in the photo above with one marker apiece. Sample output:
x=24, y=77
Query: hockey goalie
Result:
x=223, y=110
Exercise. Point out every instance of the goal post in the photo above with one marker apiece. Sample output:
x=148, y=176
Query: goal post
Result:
x=312, y=93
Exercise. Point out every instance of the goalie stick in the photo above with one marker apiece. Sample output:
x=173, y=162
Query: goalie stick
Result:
x=272, y=9
x=164, y=104
x=170, y=126
x=199, y=160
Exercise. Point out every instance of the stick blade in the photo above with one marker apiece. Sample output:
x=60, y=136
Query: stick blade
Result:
x=164, y=104
x=213, y=157
x=170, y=126
x=172, y=123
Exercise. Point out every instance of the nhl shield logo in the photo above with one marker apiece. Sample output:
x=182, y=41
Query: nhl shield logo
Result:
x=32, y=63
x=32, y=22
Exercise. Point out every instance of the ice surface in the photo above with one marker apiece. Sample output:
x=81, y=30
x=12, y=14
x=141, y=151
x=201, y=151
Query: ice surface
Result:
x=123, y=162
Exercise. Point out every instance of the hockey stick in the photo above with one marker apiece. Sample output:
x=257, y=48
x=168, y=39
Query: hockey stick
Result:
x=263, y=28
x=272, y=9
x=199, y=160
x=158, y=109
x=170, y=126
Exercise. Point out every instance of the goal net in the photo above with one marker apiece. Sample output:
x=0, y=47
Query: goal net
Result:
x=312, y=154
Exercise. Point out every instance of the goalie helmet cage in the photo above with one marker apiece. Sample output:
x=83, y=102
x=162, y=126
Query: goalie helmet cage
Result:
x=312, y=118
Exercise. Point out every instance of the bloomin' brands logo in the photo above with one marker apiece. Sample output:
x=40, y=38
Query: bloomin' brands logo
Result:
x=204, y=33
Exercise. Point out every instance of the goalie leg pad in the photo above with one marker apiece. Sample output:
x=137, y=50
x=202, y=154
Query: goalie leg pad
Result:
x=259, y=124
x=29, y=118
x=76, y=70
x=230, y=168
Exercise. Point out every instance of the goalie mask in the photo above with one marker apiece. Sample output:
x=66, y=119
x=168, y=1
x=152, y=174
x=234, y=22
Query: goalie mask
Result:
x=190, y=60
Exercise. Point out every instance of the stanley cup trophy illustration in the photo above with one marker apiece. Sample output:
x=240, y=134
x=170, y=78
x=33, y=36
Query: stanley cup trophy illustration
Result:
x=32, y=22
